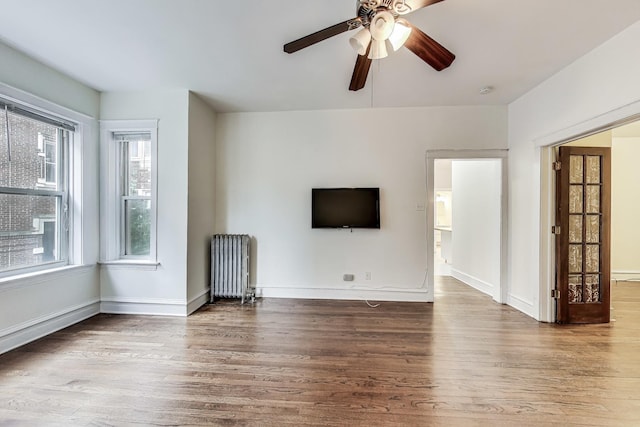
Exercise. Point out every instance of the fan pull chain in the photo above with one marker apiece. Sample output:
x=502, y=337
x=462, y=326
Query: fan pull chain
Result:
x=372, y=80
x=374, y=74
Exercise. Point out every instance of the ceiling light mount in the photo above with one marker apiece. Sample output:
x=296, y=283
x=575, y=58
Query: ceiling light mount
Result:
x=398, y=7
x=486, y=90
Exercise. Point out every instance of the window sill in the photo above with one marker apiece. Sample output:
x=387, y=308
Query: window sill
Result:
x=129, y=264
x=42, y=276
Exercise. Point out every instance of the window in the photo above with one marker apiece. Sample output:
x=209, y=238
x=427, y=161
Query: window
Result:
x=129, y=213
x=34, y=190
x=135, y=197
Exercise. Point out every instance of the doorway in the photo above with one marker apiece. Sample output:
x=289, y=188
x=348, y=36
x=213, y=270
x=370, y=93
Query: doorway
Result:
x=624, y=142
x=472, y=164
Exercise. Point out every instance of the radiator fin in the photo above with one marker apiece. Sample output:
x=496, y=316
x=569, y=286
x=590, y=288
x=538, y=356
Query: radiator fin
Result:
x=230, y=267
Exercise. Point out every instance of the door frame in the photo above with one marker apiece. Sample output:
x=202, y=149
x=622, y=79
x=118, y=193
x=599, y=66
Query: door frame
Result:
x=545, y=147
x=501, y=292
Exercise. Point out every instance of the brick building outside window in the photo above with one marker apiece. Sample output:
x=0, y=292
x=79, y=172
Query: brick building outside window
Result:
x=33, y=201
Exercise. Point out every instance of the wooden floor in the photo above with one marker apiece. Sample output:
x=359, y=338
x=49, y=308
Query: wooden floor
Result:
x=462, y=361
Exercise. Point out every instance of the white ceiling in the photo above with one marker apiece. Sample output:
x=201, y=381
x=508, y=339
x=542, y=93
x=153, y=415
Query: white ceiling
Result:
x=230, y=52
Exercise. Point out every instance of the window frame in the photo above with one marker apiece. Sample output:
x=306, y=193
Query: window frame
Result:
x=125, y=196
x=113, y=240
x=64, y=191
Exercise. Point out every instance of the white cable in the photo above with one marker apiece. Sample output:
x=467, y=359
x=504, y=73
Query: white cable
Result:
x=387, y=288
x=6, y=115
x=424, y=283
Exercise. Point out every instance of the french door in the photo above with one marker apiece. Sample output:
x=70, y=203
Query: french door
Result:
x=583, y=224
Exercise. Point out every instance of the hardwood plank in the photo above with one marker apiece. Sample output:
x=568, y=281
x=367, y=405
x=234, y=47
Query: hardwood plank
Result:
x=461, y=361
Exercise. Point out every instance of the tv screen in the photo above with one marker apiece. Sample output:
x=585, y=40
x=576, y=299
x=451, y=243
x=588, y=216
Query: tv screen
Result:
x=345, y=208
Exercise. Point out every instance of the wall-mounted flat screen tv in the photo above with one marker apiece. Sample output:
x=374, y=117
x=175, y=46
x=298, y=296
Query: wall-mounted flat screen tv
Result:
x=345, y=208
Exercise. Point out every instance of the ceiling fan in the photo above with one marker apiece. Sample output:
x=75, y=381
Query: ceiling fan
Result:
x=383, y=29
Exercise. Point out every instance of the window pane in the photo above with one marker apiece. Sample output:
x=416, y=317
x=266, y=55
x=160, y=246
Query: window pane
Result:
x=29, y=228
x=593, y=258
x=593, y=199
x=137, y=227
x=592, y=288
x=34, y=153
x=593, y=229
x=575, y=288
x=575, y=258
x=575, y=199
x=139, y=165
x=575, y=169
x=575, y=228
x=593, y=169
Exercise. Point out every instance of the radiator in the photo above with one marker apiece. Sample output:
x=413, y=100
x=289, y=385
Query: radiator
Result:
x=230, y=267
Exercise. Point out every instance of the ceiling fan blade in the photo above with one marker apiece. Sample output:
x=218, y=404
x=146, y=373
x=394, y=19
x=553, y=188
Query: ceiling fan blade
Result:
x=412, y=5
x=360, y=71
x=318, y=36
x=429, y=50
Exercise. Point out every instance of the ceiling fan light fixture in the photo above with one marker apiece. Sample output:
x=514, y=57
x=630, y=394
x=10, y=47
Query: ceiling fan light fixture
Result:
x=383, y=31
x=360, y=41
x=382, y=25
x=378, y=49
x=400, y=34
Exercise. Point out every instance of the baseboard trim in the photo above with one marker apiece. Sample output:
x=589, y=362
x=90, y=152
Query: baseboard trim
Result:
x=522, y=305
x=150, y=307
x=625, y=275
x=474, y=282
x=198, y=301
x=24, y=333
x=400, y=295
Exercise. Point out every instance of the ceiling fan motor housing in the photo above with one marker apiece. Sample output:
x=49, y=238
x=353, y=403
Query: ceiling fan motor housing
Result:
x=367, y=9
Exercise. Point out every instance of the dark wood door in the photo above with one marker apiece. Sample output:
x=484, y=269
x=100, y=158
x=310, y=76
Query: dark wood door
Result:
x=583, y=224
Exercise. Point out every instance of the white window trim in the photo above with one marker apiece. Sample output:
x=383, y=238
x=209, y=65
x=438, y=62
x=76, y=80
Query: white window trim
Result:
x=85, y=125
x=110, y=215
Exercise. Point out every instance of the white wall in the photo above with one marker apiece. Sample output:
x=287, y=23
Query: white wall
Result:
x=475, y=245
x=29, y=75
x=599, y=87
x=625, y=208
x=267, y=163
x=143, y=289
x=201, y=199
x=39, y=304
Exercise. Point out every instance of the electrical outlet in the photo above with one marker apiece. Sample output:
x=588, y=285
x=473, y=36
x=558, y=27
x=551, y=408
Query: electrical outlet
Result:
x=348, y=277
x=367, y=275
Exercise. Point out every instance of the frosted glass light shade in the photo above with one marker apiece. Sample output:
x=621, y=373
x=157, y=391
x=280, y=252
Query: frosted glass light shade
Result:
x=378, y=49
x=381, y=25
x=360, y=41
x=400, y=34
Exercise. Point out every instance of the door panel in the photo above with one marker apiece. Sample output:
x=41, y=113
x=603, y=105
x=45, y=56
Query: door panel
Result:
x=583, y=214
